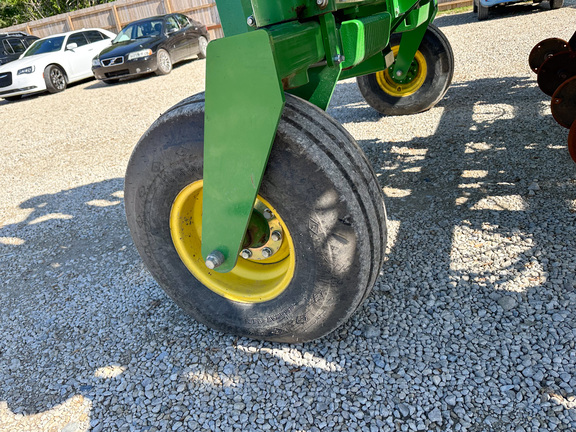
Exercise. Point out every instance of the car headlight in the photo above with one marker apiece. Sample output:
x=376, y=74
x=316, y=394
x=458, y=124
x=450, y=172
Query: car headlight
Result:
x=95, y=62
x=139, y=54
x=26, y=70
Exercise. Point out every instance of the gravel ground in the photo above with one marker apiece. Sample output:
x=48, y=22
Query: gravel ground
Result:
x=471, y=326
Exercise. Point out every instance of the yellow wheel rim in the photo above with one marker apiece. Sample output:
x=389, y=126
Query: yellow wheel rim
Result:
x=413, y=81
x=253, y=280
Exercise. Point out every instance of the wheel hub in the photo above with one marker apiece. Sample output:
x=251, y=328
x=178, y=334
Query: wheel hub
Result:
x=262, y=276
x=413, y=80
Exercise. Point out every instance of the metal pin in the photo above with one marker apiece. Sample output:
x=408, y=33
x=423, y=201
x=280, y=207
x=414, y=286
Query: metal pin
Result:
x=246, y=253
x=215, y=259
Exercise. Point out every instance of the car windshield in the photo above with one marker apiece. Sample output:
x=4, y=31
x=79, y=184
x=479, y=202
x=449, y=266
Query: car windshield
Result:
x=43, y=46
x=141, y=29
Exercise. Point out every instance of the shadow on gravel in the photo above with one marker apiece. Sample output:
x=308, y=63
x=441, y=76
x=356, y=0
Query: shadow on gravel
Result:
x=475, y=173
x=90, y=326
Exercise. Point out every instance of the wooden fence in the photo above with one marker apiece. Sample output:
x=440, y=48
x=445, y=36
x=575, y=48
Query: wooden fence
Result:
x=113, y=16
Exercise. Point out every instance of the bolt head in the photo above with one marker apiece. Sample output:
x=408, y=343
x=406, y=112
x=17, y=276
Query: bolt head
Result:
x=268, y=214
x=251, y=21
x=246, y=253
x=276, y=236
x=399, y=73
x=214, y=259
x=266, y=252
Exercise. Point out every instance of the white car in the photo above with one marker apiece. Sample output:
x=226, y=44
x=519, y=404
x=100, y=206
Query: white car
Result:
x=53, y=62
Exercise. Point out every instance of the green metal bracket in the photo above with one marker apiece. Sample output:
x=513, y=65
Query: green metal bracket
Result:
x=414, y=28
x=244, y=102
x=364, y=37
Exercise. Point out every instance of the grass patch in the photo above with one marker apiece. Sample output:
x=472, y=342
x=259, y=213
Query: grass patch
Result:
x=455, y=10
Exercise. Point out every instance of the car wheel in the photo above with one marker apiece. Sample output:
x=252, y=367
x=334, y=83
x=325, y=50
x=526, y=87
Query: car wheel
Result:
x=55, y=79
x=110, y=81
x=202, y=45
x=482, y=12
x=556, y=4
x=164, y=62
x=13, y=98
x=322, y=197
x=428, y=78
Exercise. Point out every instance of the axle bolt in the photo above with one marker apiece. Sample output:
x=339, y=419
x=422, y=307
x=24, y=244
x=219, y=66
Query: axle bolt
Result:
x=276, y=236
x=246, y=253
x=399, y=73
x=215, y=259
x=251, y=21
x=266, y=252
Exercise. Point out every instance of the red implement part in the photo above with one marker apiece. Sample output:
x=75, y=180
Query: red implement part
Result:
x=563, y=104
x=544, y=50
x=572, y=141
x=555, y=70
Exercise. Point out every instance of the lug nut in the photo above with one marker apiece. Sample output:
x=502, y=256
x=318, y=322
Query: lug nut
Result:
x=322, y=3
x=214, y=259
x=399, y=73
x=246, y=253
x=268, y=214
x=276, y=236
x=251, y=21
x=266, y=252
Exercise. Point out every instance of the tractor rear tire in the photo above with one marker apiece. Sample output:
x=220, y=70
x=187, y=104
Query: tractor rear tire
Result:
x=327, y=200
x=433, y=70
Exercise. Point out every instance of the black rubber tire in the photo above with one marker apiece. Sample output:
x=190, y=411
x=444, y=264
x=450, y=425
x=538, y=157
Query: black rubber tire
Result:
x=483, y=11
x=111, y=81
x=13, y=98
x=202, y=44
x=164, y=62
x=439, y=58
x=55, y=79
x=556, y=4
x=339, y=249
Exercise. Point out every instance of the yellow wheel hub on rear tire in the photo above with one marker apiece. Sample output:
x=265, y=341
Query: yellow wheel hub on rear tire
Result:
x=252, y=280
x=414, y=79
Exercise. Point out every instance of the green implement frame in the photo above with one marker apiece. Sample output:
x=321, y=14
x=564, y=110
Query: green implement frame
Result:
x=275, y=46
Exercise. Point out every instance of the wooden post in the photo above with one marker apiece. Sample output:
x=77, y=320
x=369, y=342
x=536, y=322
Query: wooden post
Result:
x=70, y=24
x=168, y=6
x=116, y=18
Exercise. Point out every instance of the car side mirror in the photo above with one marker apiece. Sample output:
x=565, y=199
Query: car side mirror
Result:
x=72, y=46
